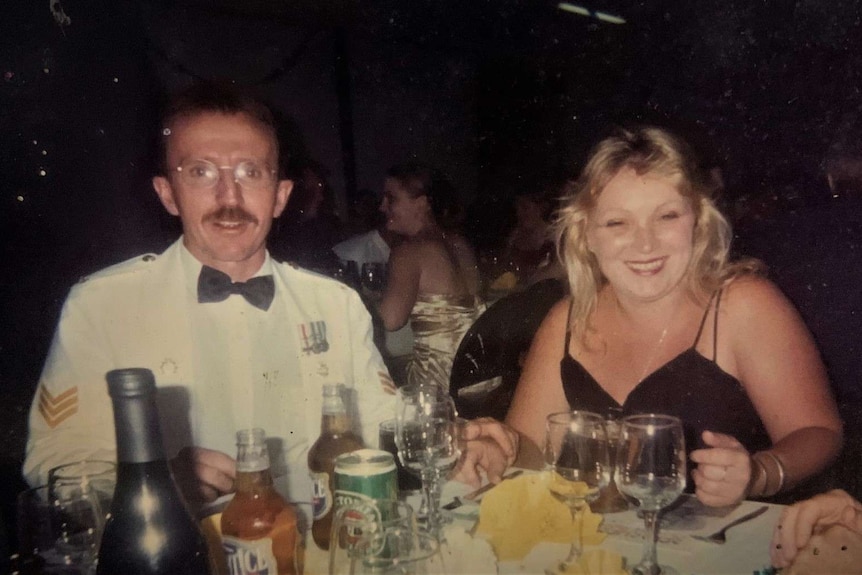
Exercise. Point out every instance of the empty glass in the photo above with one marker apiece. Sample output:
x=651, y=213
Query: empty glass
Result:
x=428, y=435
x=651, y=469
x=373, y=278
x=578, y=466
x=58, y=536
x=73, y=479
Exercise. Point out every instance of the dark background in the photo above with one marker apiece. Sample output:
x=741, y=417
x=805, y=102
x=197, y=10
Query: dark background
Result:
x=501, y=95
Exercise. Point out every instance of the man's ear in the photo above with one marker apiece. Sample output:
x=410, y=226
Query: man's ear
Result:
x=282, y=194
x=166, y=194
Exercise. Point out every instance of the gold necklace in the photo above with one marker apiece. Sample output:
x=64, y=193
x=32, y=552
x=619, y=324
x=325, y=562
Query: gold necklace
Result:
x=654, y=353
x=656, y=348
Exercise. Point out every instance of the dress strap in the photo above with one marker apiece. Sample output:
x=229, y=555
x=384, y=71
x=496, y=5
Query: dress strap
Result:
x=568, y=328
x=715, y=296
x=715, y=327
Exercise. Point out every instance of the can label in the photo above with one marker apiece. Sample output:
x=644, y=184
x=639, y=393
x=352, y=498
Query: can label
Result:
x=249, y=557
x=368, y=474
x=321, y=496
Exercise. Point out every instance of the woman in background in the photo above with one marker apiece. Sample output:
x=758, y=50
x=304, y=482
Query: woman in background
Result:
x=433, y=279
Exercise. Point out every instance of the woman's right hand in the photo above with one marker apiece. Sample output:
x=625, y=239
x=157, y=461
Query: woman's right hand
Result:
x=799, y=522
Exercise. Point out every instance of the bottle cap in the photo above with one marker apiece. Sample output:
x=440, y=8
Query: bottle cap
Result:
x=130, y=382
x=250, y=436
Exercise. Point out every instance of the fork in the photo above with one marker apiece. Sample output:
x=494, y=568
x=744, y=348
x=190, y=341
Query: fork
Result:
x=719, y=536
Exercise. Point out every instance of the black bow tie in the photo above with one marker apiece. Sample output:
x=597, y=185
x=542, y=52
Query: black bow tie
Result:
x=214, y=286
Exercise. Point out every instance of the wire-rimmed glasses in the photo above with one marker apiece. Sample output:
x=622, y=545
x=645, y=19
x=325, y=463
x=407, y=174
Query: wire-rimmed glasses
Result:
x=202, y=174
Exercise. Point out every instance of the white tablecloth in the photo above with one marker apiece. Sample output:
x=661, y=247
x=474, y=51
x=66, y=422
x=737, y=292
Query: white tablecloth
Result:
x=746, y=550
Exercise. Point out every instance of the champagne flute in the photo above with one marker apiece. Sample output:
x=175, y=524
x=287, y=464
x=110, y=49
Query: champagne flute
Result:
x=578, y=467
x=429, y=442
x=651, y=469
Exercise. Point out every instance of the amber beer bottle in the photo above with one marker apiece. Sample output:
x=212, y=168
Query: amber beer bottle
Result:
x=259, y=528
x=336, y=437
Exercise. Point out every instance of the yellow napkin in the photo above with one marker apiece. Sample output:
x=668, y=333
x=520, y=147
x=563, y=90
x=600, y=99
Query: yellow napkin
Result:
x=521, y=512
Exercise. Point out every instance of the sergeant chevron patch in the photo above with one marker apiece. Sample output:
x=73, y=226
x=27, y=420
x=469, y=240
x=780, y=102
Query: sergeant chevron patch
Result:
x=58, y=409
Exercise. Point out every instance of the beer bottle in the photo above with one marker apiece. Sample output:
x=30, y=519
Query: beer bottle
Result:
x=336, y=437
x=259, y=528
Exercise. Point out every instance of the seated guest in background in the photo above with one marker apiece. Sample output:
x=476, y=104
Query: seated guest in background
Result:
x=374, y=246
x=660, y=321
x=433, y=280
x=227, y=331
x=530, y=245
x=837, y=517
x=309, y=226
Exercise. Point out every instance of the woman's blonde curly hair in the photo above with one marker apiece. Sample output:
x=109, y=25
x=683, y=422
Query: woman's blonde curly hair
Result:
x=654, y=151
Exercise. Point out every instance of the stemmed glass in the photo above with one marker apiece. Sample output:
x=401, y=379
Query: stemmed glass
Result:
x=651, y=469
x=428, y=436
x=578, y=466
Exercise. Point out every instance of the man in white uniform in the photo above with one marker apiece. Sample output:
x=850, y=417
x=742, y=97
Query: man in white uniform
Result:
x=255, y=354
x=235, y=339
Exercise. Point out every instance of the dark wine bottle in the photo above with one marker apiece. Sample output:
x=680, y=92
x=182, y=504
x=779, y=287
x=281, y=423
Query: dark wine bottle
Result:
x=150, y=530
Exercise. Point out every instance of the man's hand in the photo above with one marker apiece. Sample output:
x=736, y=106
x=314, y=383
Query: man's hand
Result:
x=489, y=448
x=800, y=521
x=203, y=475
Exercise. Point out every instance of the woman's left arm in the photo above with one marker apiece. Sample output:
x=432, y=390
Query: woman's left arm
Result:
x=772, y=353
x=402, y=286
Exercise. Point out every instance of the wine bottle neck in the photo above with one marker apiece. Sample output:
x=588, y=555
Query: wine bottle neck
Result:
x=139, y=438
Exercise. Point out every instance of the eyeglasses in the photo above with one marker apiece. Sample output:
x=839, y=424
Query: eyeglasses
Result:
x=205, y=174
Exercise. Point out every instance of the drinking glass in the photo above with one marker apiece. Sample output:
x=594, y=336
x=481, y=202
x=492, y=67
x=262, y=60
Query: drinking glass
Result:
x=373, y=278
x=73, y=479
x=407, y=482
x=428, y=436
x=651, y=469
x=58, y=536
x=578, y=467
x=366, y=530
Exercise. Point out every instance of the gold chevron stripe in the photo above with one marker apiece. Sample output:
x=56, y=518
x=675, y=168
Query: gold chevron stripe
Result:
x=56, y=410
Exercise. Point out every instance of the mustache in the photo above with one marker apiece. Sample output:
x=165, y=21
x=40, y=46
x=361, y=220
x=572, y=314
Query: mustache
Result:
x=231, y=213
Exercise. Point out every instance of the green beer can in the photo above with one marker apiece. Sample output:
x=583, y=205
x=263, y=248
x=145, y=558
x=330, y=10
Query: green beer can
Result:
x=365, y=475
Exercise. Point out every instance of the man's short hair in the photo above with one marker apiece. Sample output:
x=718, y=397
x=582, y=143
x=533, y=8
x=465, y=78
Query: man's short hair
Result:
x=212, y=97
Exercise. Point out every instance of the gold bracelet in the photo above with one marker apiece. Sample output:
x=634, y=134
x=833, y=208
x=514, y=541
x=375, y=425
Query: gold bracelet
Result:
x=782, y=475
x=758, y=473
x=767, y=492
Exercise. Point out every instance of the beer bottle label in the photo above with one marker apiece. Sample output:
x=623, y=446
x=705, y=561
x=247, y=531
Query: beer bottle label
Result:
x=321, y=496
x=249, y=557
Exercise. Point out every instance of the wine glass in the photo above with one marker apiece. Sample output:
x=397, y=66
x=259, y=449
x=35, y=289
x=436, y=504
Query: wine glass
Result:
x=428, y=436
x=651, y=469
x=578, y=467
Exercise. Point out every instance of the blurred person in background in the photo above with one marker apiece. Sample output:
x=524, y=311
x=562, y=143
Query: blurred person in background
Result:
x=309, y=227
x=433, y=280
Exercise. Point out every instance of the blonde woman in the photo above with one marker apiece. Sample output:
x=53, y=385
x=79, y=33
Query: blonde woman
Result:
x=659, y=320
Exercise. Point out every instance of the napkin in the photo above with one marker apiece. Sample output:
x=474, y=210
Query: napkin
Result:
x=521, y=512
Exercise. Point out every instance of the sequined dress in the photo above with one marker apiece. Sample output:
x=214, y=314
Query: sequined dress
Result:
x=439, y=323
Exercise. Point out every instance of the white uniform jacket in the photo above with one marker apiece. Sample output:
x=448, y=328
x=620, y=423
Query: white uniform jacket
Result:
x=219, y=367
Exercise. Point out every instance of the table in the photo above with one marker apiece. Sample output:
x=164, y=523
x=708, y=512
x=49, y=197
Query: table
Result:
x=746, y=550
